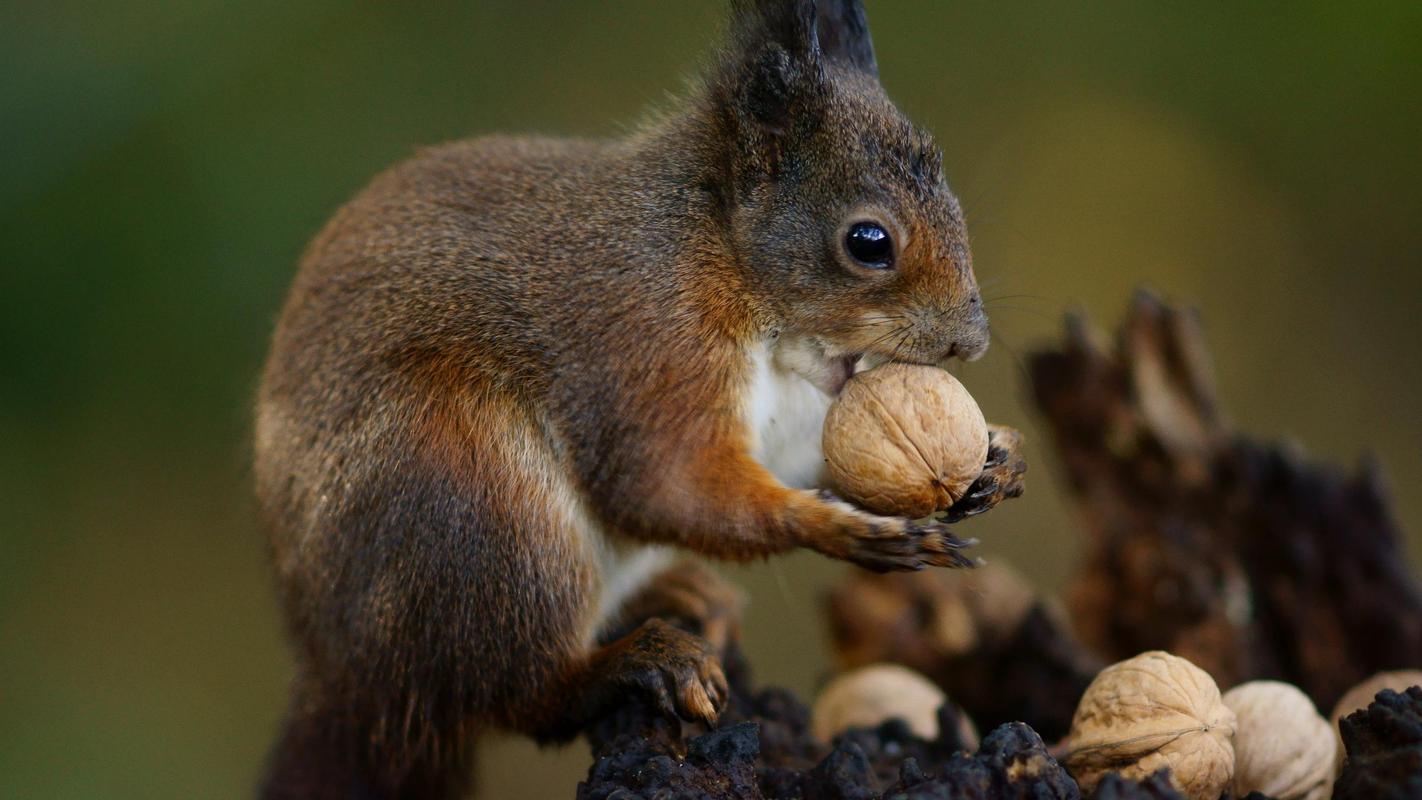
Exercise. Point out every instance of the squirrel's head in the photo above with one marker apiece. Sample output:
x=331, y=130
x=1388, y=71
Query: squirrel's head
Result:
x=835, y=202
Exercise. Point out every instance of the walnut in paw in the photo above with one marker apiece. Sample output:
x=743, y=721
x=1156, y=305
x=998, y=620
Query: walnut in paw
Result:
x=889, y=544
x=908, y=440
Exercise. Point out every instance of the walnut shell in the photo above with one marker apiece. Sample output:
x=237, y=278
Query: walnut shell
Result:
x=1155, y=710
x=904, y=440
x=1282, y=746
x=866, y=697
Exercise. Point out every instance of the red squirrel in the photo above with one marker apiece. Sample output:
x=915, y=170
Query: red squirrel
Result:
x=514, y=374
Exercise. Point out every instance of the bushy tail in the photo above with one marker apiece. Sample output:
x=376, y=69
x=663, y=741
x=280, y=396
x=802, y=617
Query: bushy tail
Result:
x=330, y=752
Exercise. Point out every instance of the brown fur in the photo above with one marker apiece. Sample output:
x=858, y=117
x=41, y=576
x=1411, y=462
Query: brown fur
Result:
x=505, y=351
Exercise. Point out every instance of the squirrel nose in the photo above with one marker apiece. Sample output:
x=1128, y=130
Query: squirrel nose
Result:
x=970, y=335
x=968, y=350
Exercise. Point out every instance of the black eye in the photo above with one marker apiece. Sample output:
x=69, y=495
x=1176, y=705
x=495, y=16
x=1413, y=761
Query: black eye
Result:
x=870, y=245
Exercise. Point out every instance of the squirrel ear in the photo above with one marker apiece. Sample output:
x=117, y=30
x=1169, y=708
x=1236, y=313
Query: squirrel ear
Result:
x=776, y=50
x=843, y=33
x=790, y=24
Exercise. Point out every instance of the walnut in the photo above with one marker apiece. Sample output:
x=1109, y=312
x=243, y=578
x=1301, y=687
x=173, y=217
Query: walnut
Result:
x=1155, y=710
x=868, y=696
x=905, y=440
x=1282, y=746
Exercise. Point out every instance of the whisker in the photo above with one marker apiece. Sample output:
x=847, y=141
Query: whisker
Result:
x=873, y=323
x=908, y=331
x=881, y=338
x=943, y=312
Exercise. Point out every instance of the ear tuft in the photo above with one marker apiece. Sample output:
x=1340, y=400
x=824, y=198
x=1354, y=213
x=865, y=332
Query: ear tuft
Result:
x=842, y=30
x=789, y=24
x=774, y=67
x=769, y=89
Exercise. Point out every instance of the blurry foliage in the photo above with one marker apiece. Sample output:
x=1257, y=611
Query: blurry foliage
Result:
x=162, y=165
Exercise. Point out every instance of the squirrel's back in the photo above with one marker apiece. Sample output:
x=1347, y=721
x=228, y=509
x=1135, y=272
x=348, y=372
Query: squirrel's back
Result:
x=511, y=259
x=477, y=238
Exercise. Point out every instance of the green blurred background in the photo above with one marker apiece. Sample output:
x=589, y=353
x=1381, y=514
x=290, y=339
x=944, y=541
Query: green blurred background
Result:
x=163, y=164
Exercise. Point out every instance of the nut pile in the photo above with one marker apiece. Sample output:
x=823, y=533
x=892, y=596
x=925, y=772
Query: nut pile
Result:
x=1155, y=720
x=1154, y=727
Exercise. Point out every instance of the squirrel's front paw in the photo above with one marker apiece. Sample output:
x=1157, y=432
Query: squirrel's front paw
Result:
x=891, y=544
x=677, y=670
x=1001, y=478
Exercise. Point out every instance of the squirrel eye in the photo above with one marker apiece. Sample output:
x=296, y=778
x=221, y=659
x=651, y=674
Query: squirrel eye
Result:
x=870, y=245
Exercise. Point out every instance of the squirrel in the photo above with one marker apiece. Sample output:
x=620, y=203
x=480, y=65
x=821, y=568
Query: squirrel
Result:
x=513, y=375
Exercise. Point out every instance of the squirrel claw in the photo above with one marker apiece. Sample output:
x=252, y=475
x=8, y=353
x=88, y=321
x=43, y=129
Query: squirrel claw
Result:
x=1001, y=478
x=891, y=544
x=986, y=490
x=996, y=457
x=677, y=671
x=912, y=547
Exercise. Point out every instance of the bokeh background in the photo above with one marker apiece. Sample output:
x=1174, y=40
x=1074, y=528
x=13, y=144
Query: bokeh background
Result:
x=163, y=163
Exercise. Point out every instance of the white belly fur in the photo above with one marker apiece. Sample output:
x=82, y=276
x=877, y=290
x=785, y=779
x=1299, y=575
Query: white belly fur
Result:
x=624, y=566
x=786, y=413
x=626, y=569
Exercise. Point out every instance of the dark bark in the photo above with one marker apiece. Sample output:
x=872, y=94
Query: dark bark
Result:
x=1384, y=746
x=762, y=748
x=1243, y=556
